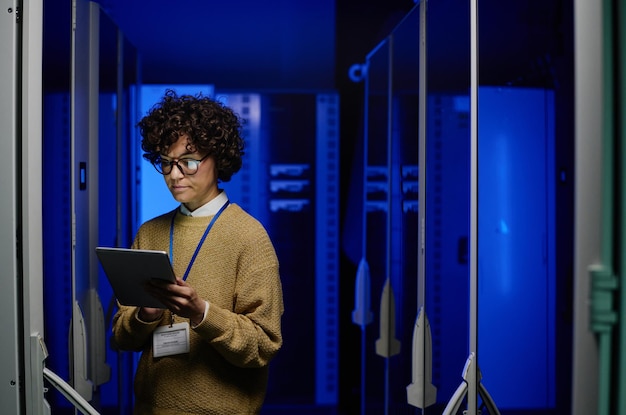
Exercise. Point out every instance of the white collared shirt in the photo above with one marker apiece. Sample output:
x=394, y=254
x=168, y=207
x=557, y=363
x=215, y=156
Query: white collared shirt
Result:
x=208, y=209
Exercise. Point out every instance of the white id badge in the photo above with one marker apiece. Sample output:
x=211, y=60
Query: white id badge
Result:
x=170, y=340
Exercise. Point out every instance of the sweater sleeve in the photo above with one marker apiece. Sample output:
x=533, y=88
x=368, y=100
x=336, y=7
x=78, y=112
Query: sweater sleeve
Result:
x=249, y=335
x=129, y=332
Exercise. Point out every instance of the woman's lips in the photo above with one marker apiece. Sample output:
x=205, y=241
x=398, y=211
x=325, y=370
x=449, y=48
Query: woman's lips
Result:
x=178, y=188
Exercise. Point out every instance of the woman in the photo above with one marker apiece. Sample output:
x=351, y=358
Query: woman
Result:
x=208, y=352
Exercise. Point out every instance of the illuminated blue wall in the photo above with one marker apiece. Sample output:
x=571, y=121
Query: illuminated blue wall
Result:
x=516, y=245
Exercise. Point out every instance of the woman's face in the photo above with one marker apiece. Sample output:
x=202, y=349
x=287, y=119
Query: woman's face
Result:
x=191, y=190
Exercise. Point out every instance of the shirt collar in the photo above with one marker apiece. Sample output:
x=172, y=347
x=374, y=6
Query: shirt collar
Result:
x=208, y=209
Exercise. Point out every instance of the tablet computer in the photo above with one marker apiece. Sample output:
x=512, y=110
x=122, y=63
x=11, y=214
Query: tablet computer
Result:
x=128, y=270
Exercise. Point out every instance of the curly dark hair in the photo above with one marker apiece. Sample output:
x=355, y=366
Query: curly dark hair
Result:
x=212, y=128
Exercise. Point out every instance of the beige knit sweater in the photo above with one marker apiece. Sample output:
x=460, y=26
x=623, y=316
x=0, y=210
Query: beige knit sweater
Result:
x=236, y=271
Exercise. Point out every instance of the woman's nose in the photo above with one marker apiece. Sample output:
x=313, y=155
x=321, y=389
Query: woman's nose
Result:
x=177, y=171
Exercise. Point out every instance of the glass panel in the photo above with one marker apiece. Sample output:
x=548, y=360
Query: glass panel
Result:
x=396, y=379
x=373, y=267
x=117, y=76
x=448, y=199
x=57, y=239
x=410, y=378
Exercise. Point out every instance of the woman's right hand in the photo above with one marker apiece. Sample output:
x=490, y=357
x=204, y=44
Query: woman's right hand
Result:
x=149, y=314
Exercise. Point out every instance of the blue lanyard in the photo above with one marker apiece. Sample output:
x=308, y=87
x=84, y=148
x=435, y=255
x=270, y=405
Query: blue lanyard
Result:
x=206, y=232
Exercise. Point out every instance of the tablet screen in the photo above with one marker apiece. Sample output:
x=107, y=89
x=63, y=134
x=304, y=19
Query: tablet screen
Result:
x=128, y=270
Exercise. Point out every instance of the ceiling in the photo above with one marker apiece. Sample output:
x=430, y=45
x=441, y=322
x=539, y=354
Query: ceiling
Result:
x=311, y=44
x=237, y=43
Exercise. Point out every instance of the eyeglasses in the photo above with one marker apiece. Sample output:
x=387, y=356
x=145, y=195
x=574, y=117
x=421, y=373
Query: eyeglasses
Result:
x=187, y=166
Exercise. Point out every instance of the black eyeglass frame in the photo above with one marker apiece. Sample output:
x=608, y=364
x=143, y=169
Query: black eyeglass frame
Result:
x=158, y=165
